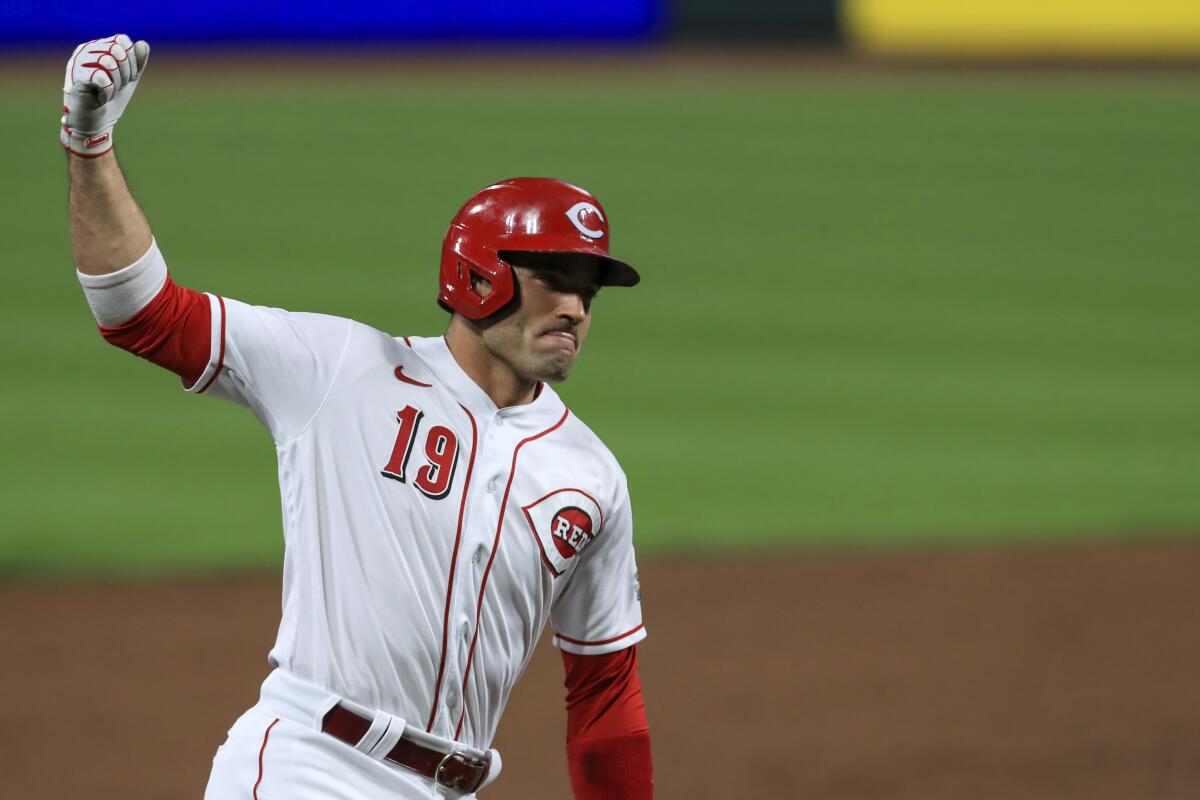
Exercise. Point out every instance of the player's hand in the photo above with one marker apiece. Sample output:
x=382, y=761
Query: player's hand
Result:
x=101, y=77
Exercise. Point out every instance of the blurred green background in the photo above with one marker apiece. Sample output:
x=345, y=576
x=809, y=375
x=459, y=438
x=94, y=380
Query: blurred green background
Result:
x=878, y=307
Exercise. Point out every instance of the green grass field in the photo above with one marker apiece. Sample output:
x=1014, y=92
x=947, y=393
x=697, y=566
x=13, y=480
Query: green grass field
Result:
x=876, y=309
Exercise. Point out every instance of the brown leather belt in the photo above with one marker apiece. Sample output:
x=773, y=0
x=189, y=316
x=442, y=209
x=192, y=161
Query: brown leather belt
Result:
x=454, y=770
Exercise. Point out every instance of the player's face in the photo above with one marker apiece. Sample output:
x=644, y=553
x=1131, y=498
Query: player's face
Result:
x=542, y=337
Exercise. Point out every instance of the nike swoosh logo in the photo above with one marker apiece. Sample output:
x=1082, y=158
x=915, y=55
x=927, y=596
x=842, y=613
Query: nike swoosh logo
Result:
x=402, y=377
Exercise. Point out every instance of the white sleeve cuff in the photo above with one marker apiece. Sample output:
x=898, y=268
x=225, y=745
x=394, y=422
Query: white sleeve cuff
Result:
x=599, y=647
x=116, y=297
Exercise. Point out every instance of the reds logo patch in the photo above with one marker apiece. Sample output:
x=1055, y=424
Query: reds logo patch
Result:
x=564, y=523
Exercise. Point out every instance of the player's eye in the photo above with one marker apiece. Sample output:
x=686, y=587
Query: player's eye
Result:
x=557, y=282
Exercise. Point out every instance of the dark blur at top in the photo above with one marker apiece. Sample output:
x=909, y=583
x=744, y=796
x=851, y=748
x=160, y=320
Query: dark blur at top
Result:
x=401, y=21
x=950, y=29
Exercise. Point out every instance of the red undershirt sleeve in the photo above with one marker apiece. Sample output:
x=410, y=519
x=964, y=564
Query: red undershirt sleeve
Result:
x=172, y=331
x=608, y=738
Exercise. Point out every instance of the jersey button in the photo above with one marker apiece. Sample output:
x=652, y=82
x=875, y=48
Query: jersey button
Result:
x=491, y=486
x=479, y=551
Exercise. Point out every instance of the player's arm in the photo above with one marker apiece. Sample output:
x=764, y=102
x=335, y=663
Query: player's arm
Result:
x=108, y=230
x=137, y=305
x=608, y=738
x=279, y=364
x=597, y=623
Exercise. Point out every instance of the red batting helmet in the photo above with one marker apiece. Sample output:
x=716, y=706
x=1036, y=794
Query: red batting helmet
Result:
x=521, y=215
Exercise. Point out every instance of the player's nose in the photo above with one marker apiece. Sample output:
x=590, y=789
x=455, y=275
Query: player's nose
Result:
x=572, y=306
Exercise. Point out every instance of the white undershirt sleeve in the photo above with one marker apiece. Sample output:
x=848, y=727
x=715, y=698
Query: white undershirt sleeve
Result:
x=117, y=297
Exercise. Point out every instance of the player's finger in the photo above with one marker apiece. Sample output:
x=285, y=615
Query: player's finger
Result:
x=108, y=64
x=122, y=58
x=141, y=54
x=125, y=44
x=94, y=93
x=100, y=90
x=82, y=106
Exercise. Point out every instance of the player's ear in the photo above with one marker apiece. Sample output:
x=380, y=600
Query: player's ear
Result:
x=481, y=286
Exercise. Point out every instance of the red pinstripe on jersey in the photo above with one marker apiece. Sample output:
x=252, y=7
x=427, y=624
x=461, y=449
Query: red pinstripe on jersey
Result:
x=261, y=750
x=462, y=506
x=512, y=473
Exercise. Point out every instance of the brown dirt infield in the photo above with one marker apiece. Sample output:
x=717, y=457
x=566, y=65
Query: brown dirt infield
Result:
x=1046, y=672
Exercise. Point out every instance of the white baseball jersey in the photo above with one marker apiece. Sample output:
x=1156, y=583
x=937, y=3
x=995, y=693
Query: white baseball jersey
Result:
x=429, y=534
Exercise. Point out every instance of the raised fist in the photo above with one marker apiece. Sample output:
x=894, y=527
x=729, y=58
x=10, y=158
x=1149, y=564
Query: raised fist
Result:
x=101, y=77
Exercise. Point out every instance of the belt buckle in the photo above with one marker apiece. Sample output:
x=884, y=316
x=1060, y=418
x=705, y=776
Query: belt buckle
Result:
x=481, y=764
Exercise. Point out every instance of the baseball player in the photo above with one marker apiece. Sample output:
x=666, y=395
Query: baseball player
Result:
x=440, y=503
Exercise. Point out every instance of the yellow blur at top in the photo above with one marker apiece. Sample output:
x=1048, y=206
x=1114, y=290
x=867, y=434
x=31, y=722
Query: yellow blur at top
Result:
x=1084, y=28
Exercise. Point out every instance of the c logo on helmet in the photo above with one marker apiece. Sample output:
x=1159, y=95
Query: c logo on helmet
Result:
x=575, y=214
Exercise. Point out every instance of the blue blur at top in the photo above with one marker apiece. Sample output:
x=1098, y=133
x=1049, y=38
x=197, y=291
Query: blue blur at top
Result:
x=59, y=21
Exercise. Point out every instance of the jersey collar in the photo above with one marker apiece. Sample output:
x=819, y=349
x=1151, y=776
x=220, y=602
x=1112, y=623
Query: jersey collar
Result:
x=436, y=354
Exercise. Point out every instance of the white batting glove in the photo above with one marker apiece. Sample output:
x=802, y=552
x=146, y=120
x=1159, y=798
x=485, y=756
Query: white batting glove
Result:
x=101, y=77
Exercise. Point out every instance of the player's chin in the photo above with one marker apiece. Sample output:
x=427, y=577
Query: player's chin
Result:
x=556, y=367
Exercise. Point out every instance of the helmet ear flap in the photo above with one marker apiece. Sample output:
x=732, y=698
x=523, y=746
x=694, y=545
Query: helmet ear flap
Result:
x=464, y=265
